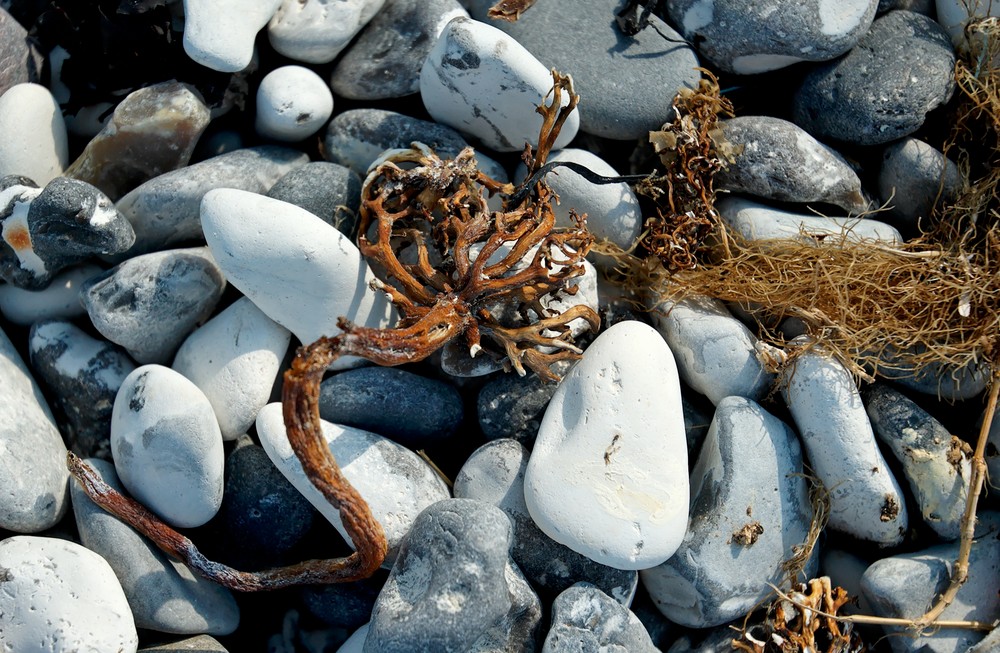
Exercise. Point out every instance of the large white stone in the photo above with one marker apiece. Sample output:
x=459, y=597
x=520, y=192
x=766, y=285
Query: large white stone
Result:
x=755, y=221
x=299, y=270
x=34, y=143
x=395, y=482
x=315, y=31
x=220, y=34
x=608, y=475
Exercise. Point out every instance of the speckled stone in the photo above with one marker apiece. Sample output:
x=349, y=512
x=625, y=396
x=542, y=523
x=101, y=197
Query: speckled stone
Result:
x=913, y=174
x=20, y=59
x=199, y=644
x=315, y=31
x=329, y=191
x=586, y=619
x=512, y=406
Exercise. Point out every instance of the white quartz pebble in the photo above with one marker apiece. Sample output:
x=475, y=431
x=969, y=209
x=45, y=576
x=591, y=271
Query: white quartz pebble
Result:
x=34, y=143
x=303, y=273
x=220, y=34
x=395, y=482
x=60, y=299
x=315, y=31
x=484, y=83
x=59, y=597
x=167, y=447
x=293, y=103
x=608, y=476
x=234, y=359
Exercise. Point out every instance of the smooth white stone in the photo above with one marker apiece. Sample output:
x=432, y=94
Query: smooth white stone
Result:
x=715, y=353
x=865, y=499
x=167, y=446
x=608, y=475
x=235, y=359
x=299, y=270
x=34, y=142
x=220, y=34
x=395, y=482
x=356, y=642
x=754, y=221
x=60, y=299
x=315, y=31
x=481, y=81
x=59, y=597
x=293, y=103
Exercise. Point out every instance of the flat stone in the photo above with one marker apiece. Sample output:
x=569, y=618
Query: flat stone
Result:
x=329, y=191
x=316, y=31
x=163, y=594
x=235, y=359
x=199, y=644
x=59, y=300
x=34, y=142
x=626, y=83
x=150, y=303
x=779, y=160
x=482, y=82
x=396, y=483
x=165, y=210
x=865, y=499
x=301, y=272
x=608, y=474
x=83, y=375
x=750, y=39
x=20, y=59
x=59, y=597
x=33, y=471
x=913, y=175
x=494, y=474
x=293, y=103
x=586, y=619
x=935, y=462
x=756, y=221
x=167, y=446
x=152, y=131
x=884, y=87
x=220, y=34
x=454, y=587
x=749, y=506
x=384, y=60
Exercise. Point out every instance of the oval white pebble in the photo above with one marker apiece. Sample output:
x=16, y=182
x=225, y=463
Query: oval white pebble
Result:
x=59, y=597
x=219, y=34
x=608, y=475
x=293, y=103
x=60, y=299
x=167, y=446
x=34, y=142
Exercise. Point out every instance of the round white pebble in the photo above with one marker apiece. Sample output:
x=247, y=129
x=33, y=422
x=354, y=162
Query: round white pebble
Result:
x=293, y=103
x=34, y=143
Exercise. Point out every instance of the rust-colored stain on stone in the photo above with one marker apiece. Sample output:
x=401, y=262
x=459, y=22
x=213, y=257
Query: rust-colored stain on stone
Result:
x=18, y=238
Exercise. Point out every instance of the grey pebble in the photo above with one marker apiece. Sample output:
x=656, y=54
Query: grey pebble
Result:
x=344, y=605
x=327, y=190
x=586, y=619
x=150, y=303
x=512, y=406
x=925, y=7
x=199, y=644
x=912, y=177
x=20, y=59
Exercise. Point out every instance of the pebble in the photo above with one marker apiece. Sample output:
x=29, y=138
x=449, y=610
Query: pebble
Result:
x=20, y=59
x=936, y=463
x=608, y=476
x=484, y=83
x=937, y=379
x=220, y=34
x=586, y=619
x=905, y=586
x=150, y=303
x=612, y=72
x=779, y=160
x=59, y=300
x=234, y=358
x=329, y=191
x=33, y=471
x=47, y=230
x=34, y=143
x=163, y=594
x=749, y=506
x=83, y=375
x=750, y=39
x=316, y=31
x=356, y=642
x=883, y=88
x=512, y=406
x=60, y=597
x=494, y=474
x=396, y=483
x=293, y=103
x=912, y=176
x=865, y=499
x=199, y=644
x=384, y=60
x=954, y=15
x=300, y=271
x=454, y=587
x=344, y=605
x=413, y=410
x=716, y=355
x=755, y=221
x=167, y=446
x=164, y=211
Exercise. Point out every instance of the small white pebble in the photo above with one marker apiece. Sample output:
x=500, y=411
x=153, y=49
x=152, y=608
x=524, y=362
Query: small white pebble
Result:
x=293, y=103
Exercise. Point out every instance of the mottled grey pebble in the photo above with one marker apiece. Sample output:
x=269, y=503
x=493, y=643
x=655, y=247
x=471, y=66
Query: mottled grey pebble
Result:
x=586, y=619
x=199, y=644
x=512, y=406
x=327, y=190
x=884, y=87
x=83, y=375
x=150, y=303
x=20, y=59
x=913, y=176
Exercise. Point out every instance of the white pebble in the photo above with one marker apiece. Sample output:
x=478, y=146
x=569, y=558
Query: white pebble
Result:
x=220, y=34
x=34, y=142
x=293, y=103
x=60, y=299
x=315, y=31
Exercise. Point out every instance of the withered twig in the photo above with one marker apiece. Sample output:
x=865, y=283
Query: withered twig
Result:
x=509, y=10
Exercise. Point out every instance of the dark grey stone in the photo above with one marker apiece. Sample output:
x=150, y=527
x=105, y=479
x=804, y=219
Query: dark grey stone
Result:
x=925, y=7
x=938, y=379
x=408, y=408
x=884, y=87
x=914, y=176
x=586, y=619
x=327, y=190
x=714, y=640
x=696, y=425
x=454, y=588
x=512, y=406
x=344, y=605
x=627, y=82
x=83, y=375
x=150, y=303
x=20, y=59
x=494, y=474
x=384, y=60
x=993, y=447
